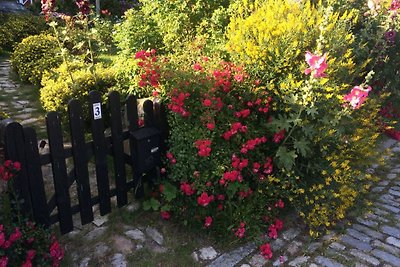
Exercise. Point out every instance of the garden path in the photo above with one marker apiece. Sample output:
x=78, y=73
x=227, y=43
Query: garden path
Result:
x=371, y=238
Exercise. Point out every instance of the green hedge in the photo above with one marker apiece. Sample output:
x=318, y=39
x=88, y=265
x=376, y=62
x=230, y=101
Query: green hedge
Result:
x=14, y=28
x=34, y=55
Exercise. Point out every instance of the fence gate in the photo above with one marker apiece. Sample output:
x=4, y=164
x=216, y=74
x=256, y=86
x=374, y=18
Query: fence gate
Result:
x=106, y=152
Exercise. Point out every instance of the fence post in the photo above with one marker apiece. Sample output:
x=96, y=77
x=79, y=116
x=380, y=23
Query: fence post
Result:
x=14, y=145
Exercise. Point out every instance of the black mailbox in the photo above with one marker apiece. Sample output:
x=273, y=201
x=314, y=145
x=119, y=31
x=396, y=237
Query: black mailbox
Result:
x=146, y=148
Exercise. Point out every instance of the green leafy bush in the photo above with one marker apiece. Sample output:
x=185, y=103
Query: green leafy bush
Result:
x=34, y=55
x=169, y=26
x=74, y=81
x=136, y=32
x=15, y=27
x=221, y=174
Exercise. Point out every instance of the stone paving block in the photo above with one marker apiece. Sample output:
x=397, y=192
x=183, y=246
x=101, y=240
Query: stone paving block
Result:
x=280, y=261
x=358, y=235
x=313, y=247
x=388, y=143
x=395, y=232
x=396, y=170
x=290, y=234
x=234, y=257
x=383, y=183
x=355, y=243
x=367, y=222
x=393, y=241
x=380, y=212
x=388, y=248
x=277, y=244
x=391, y=202
x=294, y=247
x=388, y=207
x=337, y=246
x=326, y=262
x=387, y=257
x=378, y=189
x=391, y=176
x=299, y=261
x=258, y=260
x=376, y=217
x=368, y=231
x=394, y=193
x=364, y=257
x=28, y=121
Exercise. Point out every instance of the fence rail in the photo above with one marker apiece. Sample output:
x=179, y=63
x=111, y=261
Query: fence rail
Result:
x=21, y=144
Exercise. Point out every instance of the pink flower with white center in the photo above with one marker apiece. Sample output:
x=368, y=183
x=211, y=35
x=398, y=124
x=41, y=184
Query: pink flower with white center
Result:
x=357, y=96
x=390, y=36
x=317, y=65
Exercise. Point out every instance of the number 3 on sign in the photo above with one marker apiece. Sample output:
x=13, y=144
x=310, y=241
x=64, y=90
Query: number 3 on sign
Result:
x=96, y=111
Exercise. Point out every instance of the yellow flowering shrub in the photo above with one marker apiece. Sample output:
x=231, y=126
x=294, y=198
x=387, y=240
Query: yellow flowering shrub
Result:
x=328, y=142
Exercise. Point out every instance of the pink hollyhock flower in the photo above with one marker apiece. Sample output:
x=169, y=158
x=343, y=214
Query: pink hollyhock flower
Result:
x=208, y=221
x=265, y=251
x=317, y=65
x=390, y=36
x=357, y=96
x=165, y=215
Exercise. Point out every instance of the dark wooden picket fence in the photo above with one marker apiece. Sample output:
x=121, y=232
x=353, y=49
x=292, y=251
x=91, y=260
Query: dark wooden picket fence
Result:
x=21, y=144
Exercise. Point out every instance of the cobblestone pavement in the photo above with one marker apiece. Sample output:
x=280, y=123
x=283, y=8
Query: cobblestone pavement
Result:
x=14, y=102
x=371, y=239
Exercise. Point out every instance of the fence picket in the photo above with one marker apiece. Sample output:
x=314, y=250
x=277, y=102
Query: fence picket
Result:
x=36, y=184
x=80, y=157
x=118, y=148
x=60, y=177
x=15, y=151
x=100, y=152
x=132, y=112
x=148, y=113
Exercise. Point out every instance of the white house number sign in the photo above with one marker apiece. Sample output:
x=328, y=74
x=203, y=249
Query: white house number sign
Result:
x=96, y=111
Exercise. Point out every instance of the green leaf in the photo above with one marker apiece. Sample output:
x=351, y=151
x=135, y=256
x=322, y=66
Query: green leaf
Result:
x=285, y=158
x=169, y=192
x=302, y=146
x=232, y=189
x=312, y=111
x=152, y=203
